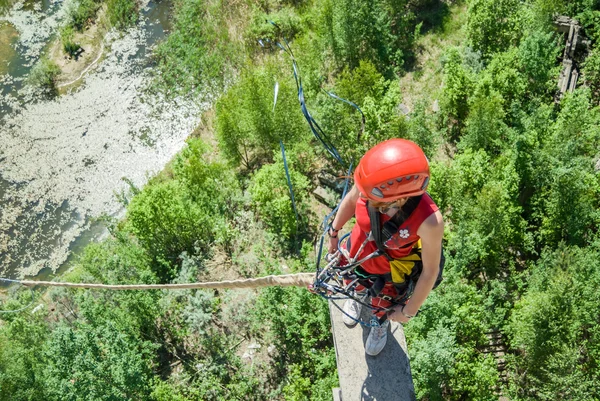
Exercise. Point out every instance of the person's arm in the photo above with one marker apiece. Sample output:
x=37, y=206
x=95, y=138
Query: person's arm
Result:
x=431, y=232
x=344, y=213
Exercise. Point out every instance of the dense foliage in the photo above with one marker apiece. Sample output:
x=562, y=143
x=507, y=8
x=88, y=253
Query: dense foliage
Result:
x=514, y=171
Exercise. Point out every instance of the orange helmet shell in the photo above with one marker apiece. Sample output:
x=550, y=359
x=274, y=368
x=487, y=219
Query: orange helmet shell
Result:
x=394, y=169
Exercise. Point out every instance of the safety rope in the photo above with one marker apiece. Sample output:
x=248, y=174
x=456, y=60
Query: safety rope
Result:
x=285, y=280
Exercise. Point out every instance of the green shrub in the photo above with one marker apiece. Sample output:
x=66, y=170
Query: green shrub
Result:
x=444, y=344
x=198, y=55
x=249, y=125
x=186, y=214
x=379, y=31
x=378, y=99
x=22, y=337
x=554, y=328
x=457, y=88
x=102, y=362
x=271, y=197
x=43, y=75
x=298, y=323
x=122, y=13
x=82, y=13
x=286, y=18
x=493, y=25
x=591, y=73
x=66, y=38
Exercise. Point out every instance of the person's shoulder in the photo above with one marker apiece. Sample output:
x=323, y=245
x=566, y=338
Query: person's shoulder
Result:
x=432, y=225
x=428, y=201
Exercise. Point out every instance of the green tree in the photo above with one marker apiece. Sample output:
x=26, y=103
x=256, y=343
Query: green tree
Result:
x=122, y=13
x=570, y=197
x=493, y=25
x=380, y=31
x=457, y=87
x=43, y=75
x=554, y=328
x=21, y=356
x=445, y=344
x=591, y=72
x=378, y=99
x=186, y=214
x=299, y=323
x=198, y=55
x=97, y=363
x=488, y=230
x=249, y=125
x=271, y=197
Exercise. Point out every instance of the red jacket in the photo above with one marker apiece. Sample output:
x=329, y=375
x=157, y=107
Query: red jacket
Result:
x=401, y=243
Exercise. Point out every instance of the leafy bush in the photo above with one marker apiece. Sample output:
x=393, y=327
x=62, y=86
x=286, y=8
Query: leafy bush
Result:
x=66, y=38
x=554, y=328
x=271, y=197
x=187, y=214
x=591, y=72
x=198, y=55
x=43, y=75
x=82, y=13
x=249, y=125
x=122, y=13
x=298, y=322
x=102, y=362
x=21, y=356
x=538, y=52
x=422, y=130
x=485, y=128
x=444, y=343
x=457, y=88
x=493, y=25
x=289, y=25
x=489, y=231
x=570, y=194
x=378, y=99
x=379, y=31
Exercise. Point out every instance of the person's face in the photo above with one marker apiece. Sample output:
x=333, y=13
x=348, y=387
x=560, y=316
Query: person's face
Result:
x=385, y=207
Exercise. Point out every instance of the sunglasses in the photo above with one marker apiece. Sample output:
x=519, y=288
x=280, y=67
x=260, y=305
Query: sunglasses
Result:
x=385, y=207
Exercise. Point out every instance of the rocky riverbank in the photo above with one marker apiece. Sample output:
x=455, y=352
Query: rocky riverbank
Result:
x=62, y=161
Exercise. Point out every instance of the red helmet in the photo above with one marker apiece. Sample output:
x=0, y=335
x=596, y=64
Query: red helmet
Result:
x=396, y=168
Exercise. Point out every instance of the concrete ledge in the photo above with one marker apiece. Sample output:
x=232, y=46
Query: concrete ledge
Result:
x=385, y=377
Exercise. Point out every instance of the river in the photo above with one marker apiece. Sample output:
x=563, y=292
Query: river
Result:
x=63, y=160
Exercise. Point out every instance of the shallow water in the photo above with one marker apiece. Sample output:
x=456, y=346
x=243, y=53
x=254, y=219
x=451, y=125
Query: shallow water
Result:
x=62, y=161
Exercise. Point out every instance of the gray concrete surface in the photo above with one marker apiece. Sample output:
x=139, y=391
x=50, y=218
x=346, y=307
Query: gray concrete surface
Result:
x=385, y=377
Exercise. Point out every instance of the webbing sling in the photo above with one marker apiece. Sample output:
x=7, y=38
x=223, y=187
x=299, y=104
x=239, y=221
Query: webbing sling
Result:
x=382, y=234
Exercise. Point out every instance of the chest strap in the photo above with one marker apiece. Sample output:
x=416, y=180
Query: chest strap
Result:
x=382, y=234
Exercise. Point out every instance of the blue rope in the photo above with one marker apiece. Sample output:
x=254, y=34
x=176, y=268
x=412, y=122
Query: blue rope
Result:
x=312, y=123
x=326, y=219
x=289, y=181
x=362, y=123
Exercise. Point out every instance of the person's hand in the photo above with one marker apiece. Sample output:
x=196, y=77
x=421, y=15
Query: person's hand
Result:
x=333, y=245
x=398, y=315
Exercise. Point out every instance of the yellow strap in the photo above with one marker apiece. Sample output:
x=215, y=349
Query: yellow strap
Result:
x=403, y=266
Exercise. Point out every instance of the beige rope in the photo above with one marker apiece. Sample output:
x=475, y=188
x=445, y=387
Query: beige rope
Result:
x=286, y=280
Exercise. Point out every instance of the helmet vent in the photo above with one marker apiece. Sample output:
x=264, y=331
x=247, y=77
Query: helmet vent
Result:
x=408, y=177
x=399, y=179
x=377, y=192
x=425, y=183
